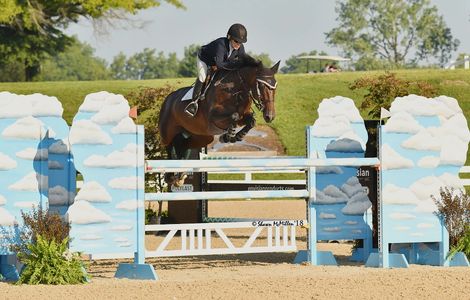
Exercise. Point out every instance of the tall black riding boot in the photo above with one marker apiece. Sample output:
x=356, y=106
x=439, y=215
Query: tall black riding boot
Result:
x=191, y=108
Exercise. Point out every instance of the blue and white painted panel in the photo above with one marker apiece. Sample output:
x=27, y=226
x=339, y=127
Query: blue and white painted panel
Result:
x=424, y=144
x=341, y=201
x=29, y=125
x=108, y=151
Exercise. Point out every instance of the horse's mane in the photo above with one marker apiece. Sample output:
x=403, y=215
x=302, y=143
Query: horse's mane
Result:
x=249, y=61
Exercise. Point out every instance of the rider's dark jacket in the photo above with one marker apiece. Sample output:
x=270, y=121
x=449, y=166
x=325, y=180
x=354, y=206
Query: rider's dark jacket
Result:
x=216, y=54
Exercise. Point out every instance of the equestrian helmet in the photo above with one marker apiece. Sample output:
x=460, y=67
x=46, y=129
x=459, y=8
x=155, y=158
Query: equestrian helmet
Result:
x=237, y=32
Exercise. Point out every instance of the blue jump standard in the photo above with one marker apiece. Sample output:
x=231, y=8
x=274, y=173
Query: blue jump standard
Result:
x=136, y=271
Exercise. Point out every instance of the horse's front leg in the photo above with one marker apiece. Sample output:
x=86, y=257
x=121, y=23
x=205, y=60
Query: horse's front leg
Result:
x=230, y=135
x=250, y=122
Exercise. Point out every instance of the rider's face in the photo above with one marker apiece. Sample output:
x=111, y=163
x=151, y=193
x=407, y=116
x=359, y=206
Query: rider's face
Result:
x=235, y=44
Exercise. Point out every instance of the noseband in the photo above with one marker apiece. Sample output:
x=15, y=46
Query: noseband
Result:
x=260, y=82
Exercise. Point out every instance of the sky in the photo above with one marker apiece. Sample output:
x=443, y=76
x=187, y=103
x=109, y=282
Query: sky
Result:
x=281, y=28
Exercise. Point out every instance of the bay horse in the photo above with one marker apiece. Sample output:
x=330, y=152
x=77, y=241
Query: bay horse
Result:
x=227, y=105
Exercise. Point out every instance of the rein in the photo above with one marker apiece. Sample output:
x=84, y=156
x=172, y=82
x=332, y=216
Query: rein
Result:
x=259, y=81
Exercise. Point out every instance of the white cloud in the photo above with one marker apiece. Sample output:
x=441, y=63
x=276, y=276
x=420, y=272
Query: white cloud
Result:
x=122, y=228
x=423, y=140
x=456, y=126
x=357, y=205
x=59, y=147
x=425, y=187
x=351, y=222
x=454, y=151
x=125, y=158
x=125, y=245
x=6, y=162
x=45, y=106
x=328, y=170
x=336, y=193
x=331, y=229
x=402, y=122
x=114, y=109
x=450, y=102
x=451, y=181
x=6, y=219
x=425, y=225
x=33, y=154
x=93, y=192
x=94, y=101
x=91, y=237
x=327, y=216
x=402, y=228
x=55, y=165
x=25, y=128
x=429, y=162
x=130, y=205
x=3, y=200
x=402, y=216
x=345, y=145
x=82, y=212
x=121, y=240
x=417, y=234
x=331, y=126
x=59, y=195
x=416, y=105
x=393, y=194
x=14, y=106
x=393, y=160
x=26, y=204
x=126, y=183
x=356, y=231
x=339, y=106
x=87, y=132
x=427, y=206
x=126, y=125
x=352, y=186
x=33, y=182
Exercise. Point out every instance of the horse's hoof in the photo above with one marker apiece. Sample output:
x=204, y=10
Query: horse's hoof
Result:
x=223, y=138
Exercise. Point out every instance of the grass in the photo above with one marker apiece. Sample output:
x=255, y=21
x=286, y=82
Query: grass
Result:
x=297, y=98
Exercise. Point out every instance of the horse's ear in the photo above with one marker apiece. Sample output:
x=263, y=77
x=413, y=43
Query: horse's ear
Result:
x=275, y=68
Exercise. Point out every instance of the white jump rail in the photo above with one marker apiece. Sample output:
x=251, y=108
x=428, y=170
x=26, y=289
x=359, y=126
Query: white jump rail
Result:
x=198, y=239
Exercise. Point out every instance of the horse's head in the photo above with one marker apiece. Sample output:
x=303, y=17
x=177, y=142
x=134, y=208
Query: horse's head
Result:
x=265, y=90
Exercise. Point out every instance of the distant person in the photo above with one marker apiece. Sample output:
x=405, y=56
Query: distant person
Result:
x=222, y=53
x=326, y=68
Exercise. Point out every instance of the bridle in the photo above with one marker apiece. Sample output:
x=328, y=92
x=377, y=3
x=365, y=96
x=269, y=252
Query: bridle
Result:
x=258, y=101
x=261, y=81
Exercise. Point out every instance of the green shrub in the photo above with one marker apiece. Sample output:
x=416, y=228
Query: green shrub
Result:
x=463, y=244
x=41, y=222
x=454, y=207
x=51, y=262
x=383, y=89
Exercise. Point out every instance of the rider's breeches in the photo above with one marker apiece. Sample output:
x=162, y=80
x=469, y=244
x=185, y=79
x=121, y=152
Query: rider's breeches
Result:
x=201, y=70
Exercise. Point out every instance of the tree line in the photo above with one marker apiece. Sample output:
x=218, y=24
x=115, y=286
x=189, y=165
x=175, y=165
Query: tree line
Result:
x=375, y=34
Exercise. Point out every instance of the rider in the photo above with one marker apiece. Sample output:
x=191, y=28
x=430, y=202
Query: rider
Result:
x=221, y=53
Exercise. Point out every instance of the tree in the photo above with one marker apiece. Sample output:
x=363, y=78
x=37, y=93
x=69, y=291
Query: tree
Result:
x=145, y=65
x=263, y=57
x=118, y=67
x=32, y=30
x=187, y=66
x=391, y=31
x=77, y=62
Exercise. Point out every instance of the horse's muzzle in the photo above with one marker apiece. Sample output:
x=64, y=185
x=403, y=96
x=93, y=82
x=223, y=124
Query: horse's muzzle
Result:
x=268, y=116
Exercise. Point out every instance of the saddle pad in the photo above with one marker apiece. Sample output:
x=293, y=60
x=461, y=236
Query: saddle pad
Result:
x=188, y=95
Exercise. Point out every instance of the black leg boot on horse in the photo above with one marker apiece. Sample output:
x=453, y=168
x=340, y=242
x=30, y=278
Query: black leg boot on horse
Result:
x=192, y=107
